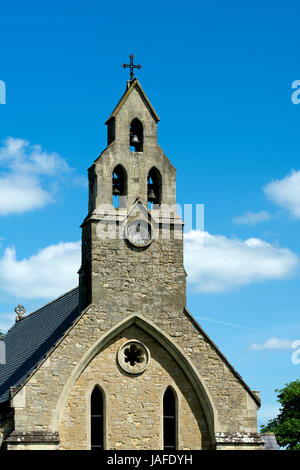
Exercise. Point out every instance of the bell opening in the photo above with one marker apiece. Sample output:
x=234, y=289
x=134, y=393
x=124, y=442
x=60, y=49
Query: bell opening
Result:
x=119, y=187
x=154, y=188
x=136, y=136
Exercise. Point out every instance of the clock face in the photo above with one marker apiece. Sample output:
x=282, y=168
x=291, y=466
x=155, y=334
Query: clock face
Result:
x=139, y=232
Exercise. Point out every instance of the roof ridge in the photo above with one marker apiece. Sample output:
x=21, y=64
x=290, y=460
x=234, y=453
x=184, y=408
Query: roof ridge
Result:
x=46, y=305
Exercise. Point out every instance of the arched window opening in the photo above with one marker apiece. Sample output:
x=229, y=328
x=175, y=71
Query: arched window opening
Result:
x=119, y=187
x=97, y=421
x=169, y=424
x=154, y=188
x=136, y=136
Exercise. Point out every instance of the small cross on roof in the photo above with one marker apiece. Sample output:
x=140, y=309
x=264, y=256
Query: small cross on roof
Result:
x=131, y=66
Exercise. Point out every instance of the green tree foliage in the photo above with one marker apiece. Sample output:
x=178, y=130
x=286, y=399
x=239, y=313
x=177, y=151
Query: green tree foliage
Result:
x=286, y=426
x=1, y=335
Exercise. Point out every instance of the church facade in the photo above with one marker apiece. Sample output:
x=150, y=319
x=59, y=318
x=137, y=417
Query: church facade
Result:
x=119, y=363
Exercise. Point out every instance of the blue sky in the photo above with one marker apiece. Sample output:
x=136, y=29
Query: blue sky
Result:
x=219, y=74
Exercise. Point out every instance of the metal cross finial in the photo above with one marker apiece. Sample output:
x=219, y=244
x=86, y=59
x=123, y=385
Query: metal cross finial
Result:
x=132, y=67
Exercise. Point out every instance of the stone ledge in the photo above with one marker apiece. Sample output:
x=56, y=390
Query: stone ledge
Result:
x=33, y=437
x=238, y=438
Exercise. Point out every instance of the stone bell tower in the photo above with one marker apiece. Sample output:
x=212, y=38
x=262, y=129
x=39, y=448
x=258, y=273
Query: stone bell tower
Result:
x=128, y=368
x=132, y=188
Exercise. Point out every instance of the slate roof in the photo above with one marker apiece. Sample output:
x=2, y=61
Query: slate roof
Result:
x=30, y=339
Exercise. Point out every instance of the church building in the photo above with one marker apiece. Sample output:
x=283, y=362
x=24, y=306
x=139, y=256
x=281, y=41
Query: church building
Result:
x=119, y=362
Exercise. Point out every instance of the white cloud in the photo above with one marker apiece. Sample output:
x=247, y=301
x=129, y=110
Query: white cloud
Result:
x=252, y=218
x=46, y=275
x=215, y=263
x=273, y=343
x=20, y=193
x=28, y=175
x=286, y=193
x=6, y=321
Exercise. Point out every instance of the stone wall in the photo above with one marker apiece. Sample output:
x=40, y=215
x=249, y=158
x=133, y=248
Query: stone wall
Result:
x=43, y=407
x=130, y=279
x=133, y=403
x=136, y=164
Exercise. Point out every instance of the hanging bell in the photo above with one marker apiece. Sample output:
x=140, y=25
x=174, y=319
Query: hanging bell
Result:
x=116, y=186
x=151, y=196
x=116, y=191
x=135, y=140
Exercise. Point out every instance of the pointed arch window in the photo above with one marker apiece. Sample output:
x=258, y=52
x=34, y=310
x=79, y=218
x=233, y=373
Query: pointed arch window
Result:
x=119, y=186
x=136, y=135
x=97, y=419
x=154, y=187
x=170, y=420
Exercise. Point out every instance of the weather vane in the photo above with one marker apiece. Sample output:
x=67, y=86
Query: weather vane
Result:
x=131, y=66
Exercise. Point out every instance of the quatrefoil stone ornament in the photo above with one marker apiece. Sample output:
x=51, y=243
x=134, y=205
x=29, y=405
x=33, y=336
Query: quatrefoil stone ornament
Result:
x=20, y=311
x=133, y=357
